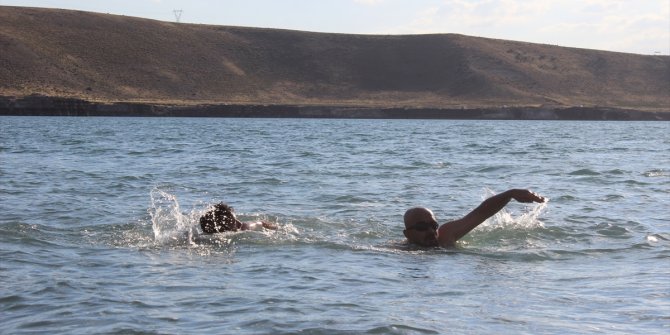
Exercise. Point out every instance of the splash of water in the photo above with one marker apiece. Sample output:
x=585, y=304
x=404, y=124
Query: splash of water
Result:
x=169, y=224
x=527, y=220
x=657, y=173
x=509, y=231
x=505, y=219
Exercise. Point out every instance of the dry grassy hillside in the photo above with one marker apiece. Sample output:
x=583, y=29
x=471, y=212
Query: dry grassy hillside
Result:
x=115, y=58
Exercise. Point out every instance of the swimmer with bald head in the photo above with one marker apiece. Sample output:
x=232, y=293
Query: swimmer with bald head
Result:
x=422, y=228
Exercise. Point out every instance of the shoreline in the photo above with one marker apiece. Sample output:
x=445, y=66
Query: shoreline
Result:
x=57, y=106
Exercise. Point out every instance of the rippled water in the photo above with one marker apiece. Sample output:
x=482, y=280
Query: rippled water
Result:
x=98, y=234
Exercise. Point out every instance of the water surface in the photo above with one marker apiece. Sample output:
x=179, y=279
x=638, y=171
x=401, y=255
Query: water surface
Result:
x=98, y=228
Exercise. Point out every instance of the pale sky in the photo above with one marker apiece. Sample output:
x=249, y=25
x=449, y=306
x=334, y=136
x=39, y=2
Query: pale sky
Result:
x=637, y=26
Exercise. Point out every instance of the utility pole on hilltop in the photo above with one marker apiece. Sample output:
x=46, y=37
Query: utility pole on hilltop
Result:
x=177, y=14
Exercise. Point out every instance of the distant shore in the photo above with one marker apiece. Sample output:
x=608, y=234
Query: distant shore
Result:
x=65, y=62
x=56, y=106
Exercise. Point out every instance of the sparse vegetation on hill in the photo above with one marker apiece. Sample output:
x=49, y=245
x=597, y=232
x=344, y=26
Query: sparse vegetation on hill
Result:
x=100, y=57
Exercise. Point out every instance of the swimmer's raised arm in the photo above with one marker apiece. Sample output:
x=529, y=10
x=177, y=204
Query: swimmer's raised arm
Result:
x=452, y=231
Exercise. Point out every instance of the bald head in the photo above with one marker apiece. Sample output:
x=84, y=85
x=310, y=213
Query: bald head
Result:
x=416, y=215
x=421, y=227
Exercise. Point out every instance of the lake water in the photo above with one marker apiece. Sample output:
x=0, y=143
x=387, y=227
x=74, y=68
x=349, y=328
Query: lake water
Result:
x=99, y=234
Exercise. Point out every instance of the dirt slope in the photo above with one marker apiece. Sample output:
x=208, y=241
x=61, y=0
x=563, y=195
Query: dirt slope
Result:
x=116, y=58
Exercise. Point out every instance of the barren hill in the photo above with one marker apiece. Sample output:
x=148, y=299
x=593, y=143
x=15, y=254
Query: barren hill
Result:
x=101, y=57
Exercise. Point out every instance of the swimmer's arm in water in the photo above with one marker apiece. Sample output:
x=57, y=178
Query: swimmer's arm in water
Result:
x=258, y=225
x=269, y=225
x=451, y=232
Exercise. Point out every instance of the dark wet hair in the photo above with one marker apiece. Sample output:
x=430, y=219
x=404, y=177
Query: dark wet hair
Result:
x=219, y=219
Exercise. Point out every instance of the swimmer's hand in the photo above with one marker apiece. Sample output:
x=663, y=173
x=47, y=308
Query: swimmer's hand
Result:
x=525, y=196
x=269, y=225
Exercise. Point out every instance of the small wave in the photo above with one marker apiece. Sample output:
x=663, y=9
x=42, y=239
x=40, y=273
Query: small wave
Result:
x=657, y=238
x=518, y=153
x=613, y=197
x=584, y=172
x=524, y=255
x=612, y=230
x=394, y=329
x=37, y=235
x=635, y=182
x=73, y=141
x=441, y=165
x=566, y=197
x=656, y=173
x=616, y=172
x=270, y=181
x=351, y=199
x=493, y=168
x=104, y=132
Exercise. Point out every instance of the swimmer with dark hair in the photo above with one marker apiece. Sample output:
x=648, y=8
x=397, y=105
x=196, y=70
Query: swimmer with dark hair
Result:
x=222, y=218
